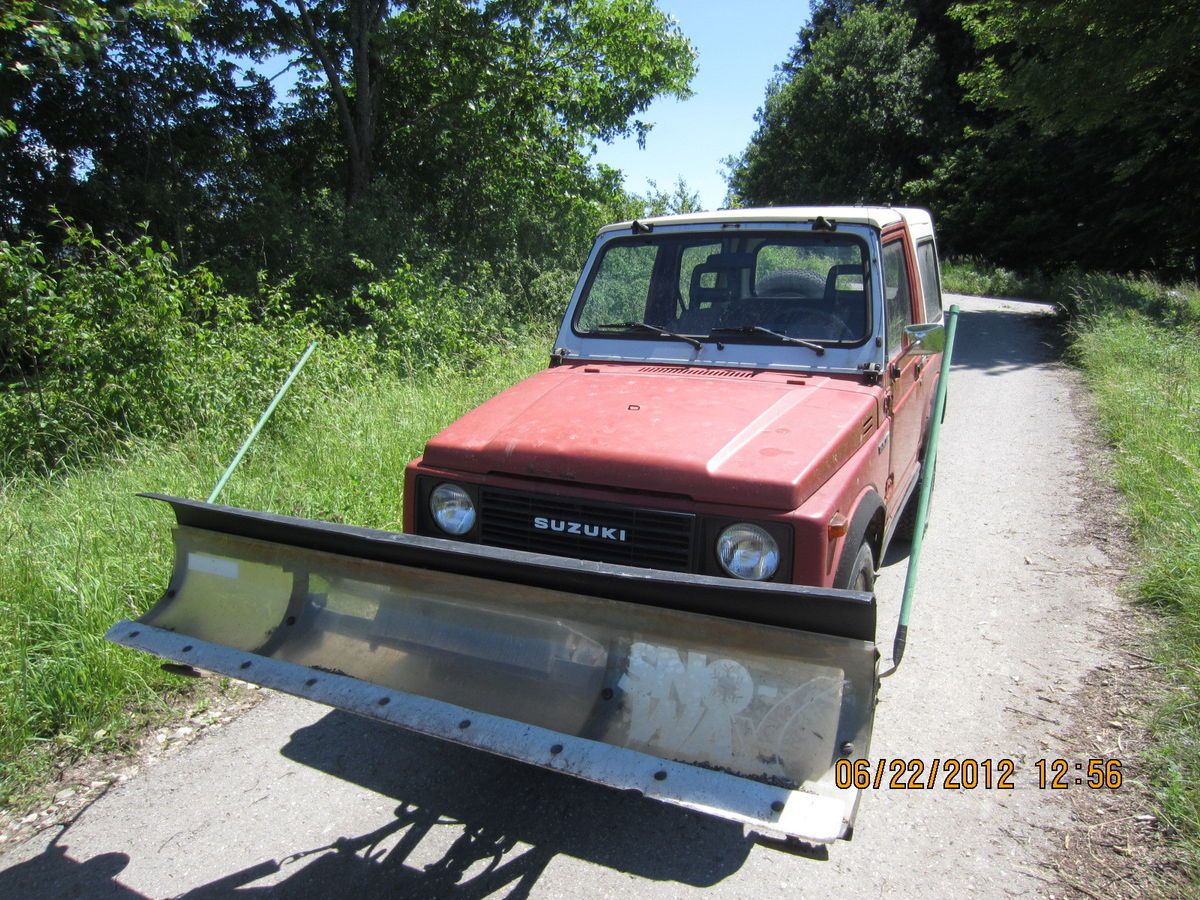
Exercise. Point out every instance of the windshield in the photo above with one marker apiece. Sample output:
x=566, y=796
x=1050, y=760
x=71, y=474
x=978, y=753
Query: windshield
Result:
x=740, y=287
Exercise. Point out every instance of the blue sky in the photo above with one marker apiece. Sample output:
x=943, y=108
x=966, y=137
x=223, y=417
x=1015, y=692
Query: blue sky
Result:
x=738, y=47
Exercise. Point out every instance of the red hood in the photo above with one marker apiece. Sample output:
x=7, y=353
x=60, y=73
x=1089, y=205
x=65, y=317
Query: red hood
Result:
x=744, y=439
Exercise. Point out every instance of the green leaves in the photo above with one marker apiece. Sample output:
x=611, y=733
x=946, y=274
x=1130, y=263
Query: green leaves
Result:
x=111, y=342
x=680, y=199
x=848, y=123
x=34, y=33
x=1120, y=82
x=1042, y=135
x=432, y=122
x=1078, y=65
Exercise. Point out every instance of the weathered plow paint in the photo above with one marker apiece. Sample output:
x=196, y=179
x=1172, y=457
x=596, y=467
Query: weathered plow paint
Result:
x=696, y=691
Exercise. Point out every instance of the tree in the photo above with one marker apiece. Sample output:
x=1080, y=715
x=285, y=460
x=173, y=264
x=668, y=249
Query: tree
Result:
x=591, y=64
x=1119, y=80
x=680, y=199
x=824, y=16
x=157, y=129
x=846, y=121
x=1040, y=134
x=34, y=33
x=39, y=38
x=469, y=147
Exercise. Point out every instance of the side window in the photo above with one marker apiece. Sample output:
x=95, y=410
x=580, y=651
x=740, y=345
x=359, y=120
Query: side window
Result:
x=931, y=288
x=896, y=295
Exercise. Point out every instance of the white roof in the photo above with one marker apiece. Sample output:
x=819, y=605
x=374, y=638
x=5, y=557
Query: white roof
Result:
x=877, y=216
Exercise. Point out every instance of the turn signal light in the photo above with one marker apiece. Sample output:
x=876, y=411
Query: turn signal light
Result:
x=838, y=526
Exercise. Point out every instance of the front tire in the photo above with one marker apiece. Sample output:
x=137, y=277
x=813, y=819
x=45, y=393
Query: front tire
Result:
x=861, y=576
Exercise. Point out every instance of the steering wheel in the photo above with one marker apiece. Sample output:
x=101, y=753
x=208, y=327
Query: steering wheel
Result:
x=838, y=329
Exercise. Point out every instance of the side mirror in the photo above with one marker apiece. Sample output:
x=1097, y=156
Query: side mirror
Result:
x=926, y=339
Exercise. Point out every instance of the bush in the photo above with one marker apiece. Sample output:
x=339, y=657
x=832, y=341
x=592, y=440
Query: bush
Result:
x=969, y=275
x=537, y=296
x=110, y=342
x=421, y=320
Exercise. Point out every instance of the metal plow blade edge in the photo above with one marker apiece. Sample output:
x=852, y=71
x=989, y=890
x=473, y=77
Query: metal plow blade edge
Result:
x=733, y=699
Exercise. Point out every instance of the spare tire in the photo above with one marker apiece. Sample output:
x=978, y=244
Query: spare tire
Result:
x=793, y=282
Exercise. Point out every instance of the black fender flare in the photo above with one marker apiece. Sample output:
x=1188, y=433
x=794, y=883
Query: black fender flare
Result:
x=866, y=524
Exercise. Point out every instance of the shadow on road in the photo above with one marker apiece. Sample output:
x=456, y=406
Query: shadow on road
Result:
x=54, y=874
x=509, y=821
x=998, y=341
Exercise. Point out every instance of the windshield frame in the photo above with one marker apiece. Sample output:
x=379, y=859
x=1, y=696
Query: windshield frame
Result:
x=648, y=350
x=702, y=235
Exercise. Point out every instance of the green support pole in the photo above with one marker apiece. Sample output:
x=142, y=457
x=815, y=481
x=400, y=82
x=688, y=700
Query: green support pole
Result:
x=262, y=420
x=935, y=428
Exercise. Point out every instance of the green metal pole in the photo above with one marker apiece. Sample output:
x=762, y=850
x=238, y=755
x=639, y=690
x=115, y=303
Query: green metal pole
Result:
x=262, y=420
x=935, y=429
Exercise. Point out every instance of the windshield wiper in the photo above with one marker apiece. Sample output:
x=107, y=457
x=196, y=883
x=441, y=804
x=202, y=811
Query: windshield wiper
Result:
x=646, y=326
x=782, y=338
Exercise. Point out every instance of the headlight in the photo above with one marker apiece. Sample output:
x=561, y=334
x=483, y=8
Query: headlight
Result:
x=747, y=551
x=452, y=509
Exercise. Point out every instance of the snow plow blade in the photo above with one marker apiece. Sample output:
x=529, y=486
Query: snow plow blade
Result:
x=735, y=699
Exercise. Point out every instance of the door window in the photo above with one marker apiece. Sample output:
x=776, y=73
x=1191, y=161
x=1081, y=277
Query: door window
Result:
x=931, y=288
x=896, y=295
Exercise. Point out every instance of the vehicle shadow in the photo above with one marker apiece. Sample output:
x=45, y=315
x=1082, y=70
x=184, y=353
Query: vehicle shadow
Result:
x=997, y=341
x=508, y=821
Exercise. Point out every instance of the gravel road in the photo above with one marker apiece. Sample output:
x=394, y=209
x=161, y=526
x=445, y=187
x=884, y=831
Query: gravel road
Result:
x=294, y=800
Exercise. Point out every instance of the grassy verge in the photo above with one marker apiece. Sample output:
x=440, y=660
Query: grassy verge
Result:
x=79, y=551
x=1143, y=375
x=967, y=275
x=1138, y=343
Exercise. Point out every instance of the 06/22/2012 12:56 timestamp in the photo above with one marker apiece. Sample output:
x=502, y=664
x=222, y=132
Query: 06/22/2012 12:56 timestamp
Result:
x=971, y=774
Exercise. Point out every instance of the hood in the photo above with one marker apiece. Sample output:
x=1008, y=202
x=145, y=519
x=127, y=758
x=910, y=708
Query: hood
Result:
x=729, y=436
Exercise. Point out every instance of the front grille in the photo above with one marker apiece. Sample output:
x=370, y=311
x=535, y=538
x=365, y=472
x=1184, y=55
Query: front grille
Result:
x=653, y=539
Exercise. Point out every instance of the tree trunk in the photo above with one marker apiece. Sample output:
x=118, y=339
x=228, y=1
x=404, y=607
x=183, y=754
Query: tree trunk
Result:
x=357, y=114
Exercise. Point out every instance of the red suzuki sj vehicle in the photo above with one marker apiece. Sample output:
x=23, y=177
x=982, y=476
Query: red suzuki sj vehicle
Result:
x=742, y=393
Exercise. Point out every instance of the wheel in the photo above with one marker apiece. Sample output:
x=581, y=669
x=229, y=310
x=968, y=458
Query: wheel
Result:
x=799, y=323
x=862, y=573
x=802, y=282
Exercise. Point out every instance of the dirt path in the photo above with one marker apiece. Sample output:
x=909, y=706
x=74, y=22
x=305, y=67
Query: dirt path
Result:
x=295, y=799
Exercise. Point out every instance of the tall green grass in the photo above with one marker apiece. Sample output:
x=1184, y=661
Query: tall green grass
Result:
x=78, y=550
x=1140, y=361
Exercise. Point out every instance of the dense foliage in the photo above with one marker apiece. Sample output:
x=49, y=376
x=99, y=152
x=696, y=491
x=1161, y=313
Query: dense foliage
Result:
x=866, y=82
x=444, y=124
x=111, y=340
x=424, y=189
x=1041, y=135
